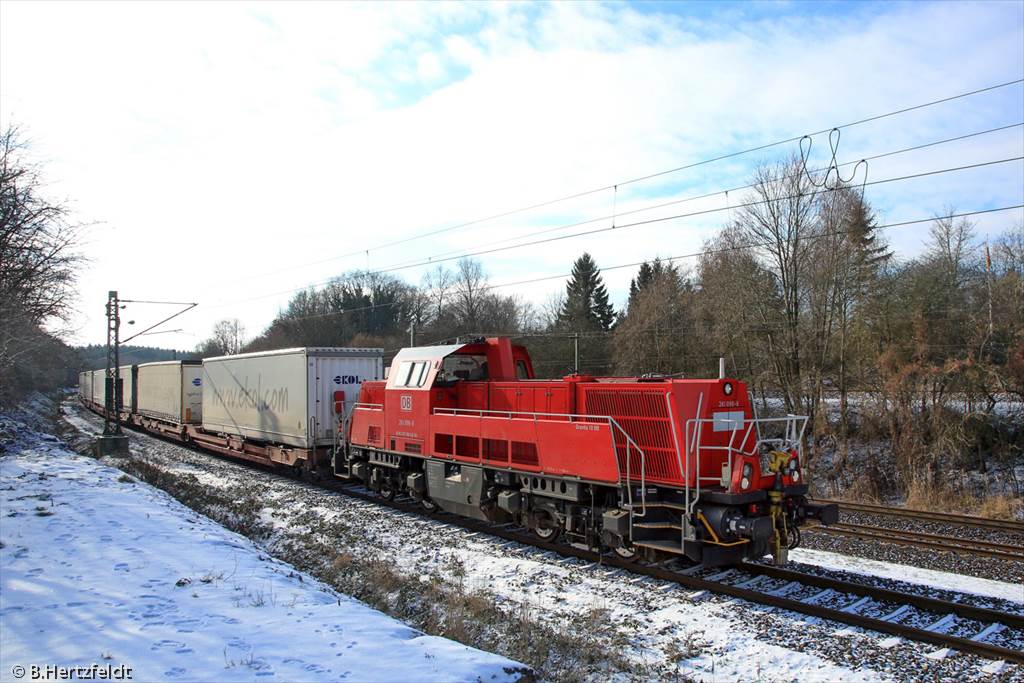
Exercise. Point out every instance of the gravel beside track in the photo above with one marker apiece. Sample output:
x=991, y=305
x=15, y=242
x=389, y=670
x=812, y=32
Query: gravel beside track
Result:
x=969, y=564
x=655, y=613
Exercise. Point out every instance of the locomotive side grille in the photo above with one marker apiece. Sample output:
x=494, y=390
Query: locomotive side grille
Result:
x=443, y=443
x=496, y=450
x=467, y=446
x=644, y=416
x=413, y=447
x=373, y=435
x=525, y=453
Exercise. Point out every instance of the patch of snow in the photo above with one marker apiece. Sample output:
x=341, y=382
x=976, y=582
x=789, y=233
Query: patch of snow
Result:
x=96, y=569
x=901, y=572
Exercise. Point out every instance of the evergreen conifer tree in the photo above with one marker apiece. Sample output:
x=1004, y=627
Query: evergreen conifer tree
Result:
x=586, y=304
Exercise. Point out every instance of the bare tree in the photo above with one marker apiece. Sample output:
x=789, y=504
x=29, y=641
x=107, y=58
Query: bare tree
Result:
x=952, y=246
x=228, y=338
x=780, y=221
x=437, y=288
x=38, y=256
x=470, y=286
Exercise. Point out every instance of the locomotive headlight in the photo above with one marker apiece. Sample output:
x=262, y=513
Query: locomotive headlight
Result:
x=744, y=483
x=795, y=476
x=747, y=470
x=727, y=388
x=792, y=465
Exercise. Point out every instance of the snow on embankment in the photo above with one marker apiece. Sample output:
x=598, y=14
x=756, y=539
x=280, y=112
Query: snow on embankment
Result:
x=96, y=568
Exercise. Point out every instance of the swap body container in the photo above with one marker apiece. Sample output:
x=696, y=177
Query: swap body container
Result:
x=85, y=385
x=286, y=397
x=127, y=375
x=99, y=383
x=171, y=391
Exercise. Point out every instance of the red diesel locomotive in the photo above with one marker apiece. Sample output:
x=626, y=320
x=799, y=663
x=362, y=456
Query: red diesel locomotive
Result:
x=644, y=466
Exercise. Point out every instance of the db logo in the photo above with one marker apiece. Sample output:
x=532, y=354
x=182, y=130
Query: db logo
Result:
x=406, y=402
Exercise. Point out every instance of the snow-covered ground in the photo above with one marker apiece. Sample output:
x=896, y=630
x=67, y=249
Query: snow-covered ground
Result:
x=98, y=568
x=695, y=635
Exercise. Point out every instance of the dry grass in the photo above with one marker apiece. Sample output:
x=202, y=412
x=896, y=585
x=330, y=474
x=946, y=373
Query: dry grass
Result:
x=1002, y=507
x=941, y=497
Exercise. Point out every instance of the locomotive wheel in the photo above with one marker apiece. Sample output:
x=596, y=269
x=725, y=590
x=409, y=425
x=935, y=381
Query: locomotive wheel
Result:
x=629, y=553
x=428, y=505
x=387, y=490
x=547, y=529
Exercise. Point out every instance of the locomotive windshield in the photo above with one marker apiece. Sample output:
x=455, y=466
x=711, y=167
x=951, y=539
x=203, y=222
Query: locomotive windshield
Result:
x=471, y=367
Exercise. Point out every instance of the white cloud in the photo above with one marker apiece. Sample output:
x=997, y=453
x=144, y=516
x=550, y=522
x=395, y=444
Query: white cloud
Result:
x=218, y=142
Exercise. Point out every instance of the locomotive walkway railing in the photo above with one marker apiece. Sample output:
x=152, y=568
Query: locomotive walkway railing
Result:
x=791, y=439
x=614, y=427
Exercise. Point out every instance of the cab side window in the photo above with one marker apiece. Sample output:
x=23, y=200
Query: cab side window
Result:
x=404, y=370
x=412, y=373
x=420, y=373
x=521, y=372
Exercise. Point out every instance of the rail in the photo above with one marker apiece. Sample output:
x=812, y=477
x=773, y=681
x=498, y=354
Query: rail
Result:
x=928, y=515
x=613, y=425
x=1011, y=552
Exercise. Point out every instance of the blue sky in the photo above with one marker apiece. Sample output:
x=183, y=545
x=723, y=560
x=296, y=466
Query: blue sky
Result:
x=230, y=152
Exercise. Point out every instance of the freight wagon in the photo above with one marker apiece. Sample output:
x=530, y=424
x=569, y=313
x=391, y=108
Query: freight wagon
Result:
x=169, y=396
x=284, y=407
x=291, y=401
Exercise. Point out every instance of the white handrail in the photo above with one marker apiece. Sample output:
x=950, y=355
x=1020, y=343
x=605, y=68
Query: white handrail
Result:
x=793, y=438
x=513, y=414
x=611, y=421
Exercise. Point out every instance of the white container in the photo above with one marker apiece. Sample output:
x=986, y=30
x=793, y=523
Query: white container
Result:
x=285, y=397
x=99, y=383
x=171, y=391
x=85, y=385
x=127, y=377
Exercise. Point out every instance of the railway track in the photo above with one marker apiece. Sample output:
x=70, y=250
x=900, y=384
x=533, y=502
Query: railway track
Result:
x=929, y=516
x=913, y=617
x=1002, y=551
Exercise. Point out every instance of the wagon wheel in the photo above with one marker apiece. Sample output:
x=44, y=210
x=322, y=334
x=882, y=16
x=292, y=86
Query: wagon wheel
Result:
x=428, y=505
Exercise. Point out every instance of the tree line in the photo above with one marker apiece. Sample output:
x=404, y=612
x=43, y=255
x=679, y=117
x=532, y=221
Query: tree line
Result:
x=802, y=295
x=909, y=369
